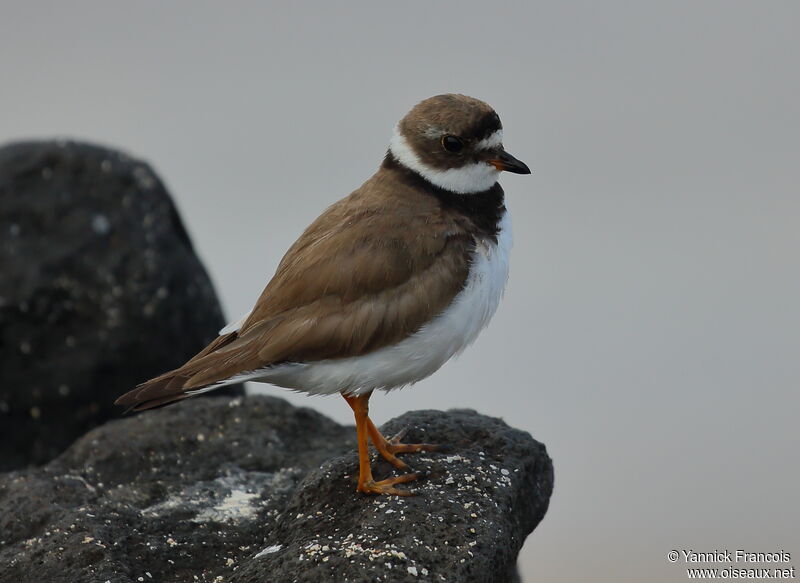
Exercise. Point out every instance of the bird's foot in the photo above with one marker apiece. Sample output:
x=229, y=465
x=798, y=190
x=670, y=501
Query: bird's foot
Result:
x=386, y=487
x=389, y=447
x=396, y=445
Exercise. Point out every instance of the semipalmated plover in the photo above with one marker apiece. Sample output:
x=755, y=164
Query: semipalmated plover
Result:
x=384, y=287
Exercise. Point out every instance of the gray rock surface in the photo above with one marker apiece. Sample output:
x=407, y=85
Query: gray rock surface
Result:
x=100, y=289
x=256, y=490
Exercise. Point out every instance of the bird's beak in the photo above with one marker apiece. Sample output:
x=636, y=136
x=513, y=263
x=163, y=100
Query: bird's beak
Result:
x=502, y=160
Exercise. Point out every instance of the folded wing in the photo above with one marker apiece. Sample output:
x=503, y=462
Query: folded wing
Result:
x=361, y=277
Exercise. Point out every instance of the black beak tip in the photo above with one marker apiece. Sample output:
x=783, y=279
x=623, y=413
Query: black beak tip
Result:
x=523, y=169
x=509, y=163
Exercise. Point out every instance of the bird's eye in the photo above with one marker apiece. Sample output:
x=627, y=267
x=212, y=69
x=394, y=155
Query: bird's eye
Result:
x=452, y=144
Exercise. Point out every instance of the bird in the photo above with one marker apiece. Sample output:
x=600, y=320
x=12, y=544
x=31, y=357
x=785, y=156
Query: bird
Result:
x=383, y=288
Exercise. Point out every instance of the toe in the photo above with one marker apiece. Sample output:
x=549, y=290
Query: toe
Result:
x=398, y=463
x=386, y=487
x=401, y=479
x=398, y=437
x=412, y=447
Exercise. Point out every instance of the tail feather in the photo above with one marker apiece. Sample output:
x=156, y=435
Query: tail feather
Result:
x=160, y=402
x=154, y=393
x=177, y=384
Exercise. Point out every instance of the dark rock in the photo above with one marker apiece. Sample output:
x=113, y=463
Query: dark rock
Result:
x=100, y=290
x=233, y=491
x=480, y=501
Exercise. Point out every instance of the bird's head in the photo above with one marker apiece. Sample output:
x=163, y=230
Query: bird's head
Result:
x=454, y=142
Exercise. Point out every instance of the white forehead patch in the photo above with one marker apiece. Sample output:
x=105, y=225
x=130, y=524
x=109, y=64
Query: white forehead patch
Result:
x=432, y=132
x=493, y=140
x=468, y=179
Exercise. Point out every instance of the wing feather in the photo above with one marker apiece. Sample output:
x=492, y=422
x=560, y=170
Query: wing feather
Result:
x=369, y=272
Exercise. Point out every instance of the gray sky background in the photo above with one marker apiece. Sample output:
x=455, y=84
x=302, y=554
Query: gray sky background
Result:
x=650, y=330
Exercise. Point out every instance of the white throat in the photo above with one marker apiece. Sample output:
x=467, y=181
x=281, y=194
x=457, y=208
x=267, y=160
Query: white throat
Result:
x=468, y=179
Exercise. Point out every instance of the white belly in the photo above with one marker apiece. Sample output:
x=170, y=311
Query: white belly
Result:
x=419, y=355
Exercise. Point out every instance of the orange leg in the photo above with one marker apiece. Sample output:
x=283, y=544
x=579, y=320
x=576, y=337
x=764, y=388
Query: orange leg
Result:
x=366, y=430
